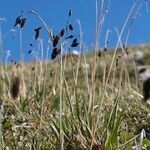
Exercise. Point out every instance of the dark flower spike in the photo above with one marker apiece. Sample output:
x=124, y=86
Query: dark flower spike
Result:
x=15, y=87
x=18, y=21
x=62, y=32
x=29, y=52
x=99, y=54
x=70, y=27
x=37, y=32
x=105, y=49
x=74, y=41
x=70, y=12
x=74, y=44
x=31, y=44
x=22, y=23
x=146, y=90
x=56, y=40
x=55, y=53
x=69, y=37
x=124, y=46
x=53, y=36
x=57, y=50
x=12, y=60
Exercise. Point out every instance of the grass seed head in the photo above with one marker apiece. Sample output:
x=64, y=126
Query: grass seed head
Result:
x=99, y=54
x=15, y=87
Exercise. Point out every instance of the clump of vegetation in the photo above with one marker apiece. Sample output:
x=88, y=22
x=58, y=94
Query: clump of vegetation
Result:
x=87, y=101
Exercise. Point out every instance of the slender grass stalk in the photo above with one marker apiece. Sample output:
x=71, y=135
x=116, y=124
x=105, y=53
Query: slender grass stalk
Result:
x=73, y=67
x=21, y=46
x=22, y=67
x=1, y=41
x=117, y=45
x=2, y=68
x=92, y=96
x=1, y=133
x=113, y=58
x=124, y=63
x=48, y=30
x=44, y=79
x=120, y=79
x=17, y=108
x=100, y=16
x=61, y=105
x=40, y=76
x=41, y=59
x=79, y=58
x=104, y=73
x=7, y=75
x=86, y=74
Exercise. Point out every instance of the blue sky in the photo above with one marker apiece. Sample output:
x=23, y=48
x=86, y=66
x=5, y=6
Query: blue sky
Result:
x=55, y=12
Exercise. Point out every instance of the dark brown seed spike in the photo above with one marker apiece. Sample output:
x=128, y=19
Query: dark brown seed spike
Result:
x=69, y=37
x=62, y=32
x=18, y=21
x=55, y=53
x=74, y=41
x=31, y=44
x=15, y=87
x=33, y=68
x=29, y=52
x=37, y=29
x=53, y=36
x=22, y=22
x=56, y=40
x=70, y=12
x=57, y=50
x=105, y=49
x=74, y=44
x=37, y=32
x=99, y=54
x=146, y=90
x=70, y=27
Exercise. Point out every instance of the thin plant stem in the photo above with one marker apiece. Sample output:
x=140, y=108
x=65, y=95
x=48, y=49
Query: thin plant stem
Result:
x=22, y=67
x=48, y=30
x=61, y=105
x=113, y=59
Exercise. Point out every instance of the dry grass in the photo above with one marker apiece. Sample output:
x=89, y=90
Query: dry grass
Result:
x=34, y=121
